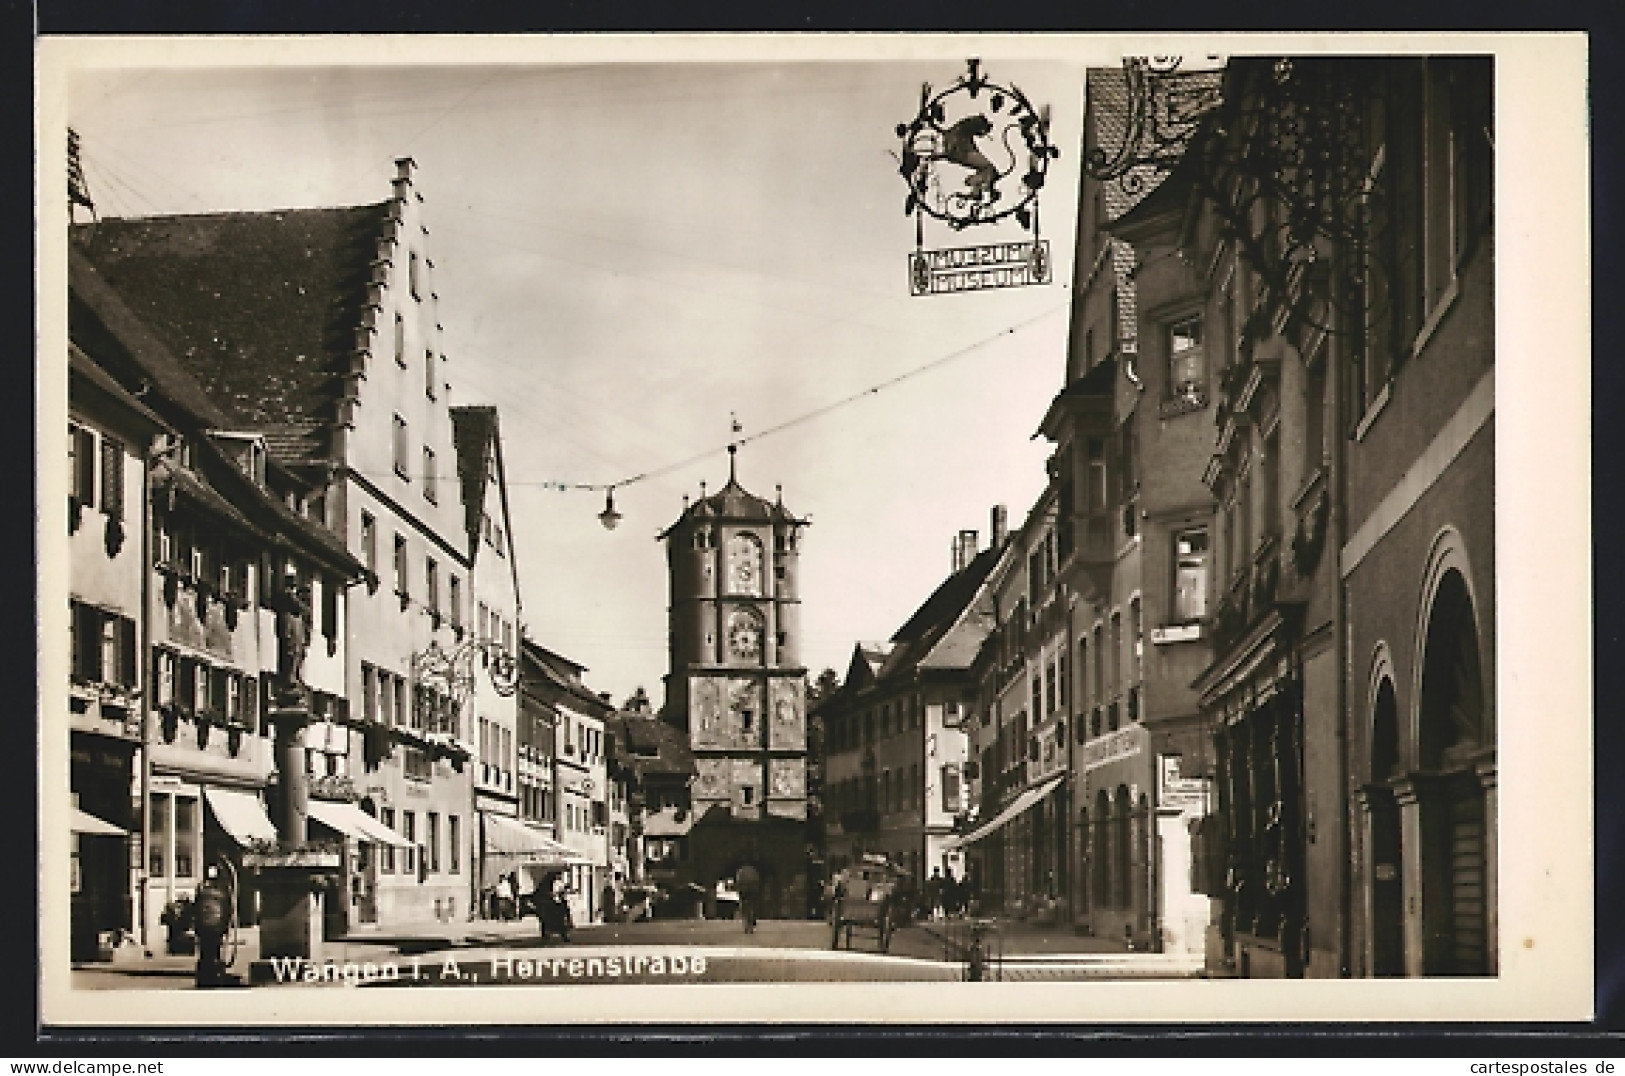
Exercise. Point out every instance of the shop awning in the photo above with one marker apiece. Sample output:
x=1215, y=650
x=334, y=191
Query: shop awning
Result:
x=511, y=837
x=352, y=821
x=90, y=826
x=241, y=815
x=1016, y=806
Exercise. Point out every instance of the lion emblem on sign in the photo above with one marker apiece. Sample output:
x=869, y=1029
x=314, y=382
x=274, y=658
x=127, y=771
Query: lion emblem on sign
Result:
x=976, y=153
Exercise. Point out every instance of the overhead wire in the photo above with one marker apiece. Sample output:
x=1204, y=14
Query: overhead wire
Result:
x=777, y=428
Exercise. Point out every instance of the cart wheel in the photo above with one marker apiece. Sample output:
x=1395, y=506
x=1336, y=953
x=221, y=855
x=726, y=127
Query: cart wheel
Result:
x=885, y=932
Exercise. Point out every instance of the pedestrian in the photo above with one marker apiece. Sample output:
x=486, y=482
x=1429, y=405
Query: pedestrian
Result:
x=524, y=895
x=213, y=919
x=951, y=894
x=933, y=894
x=749, y=884
x=558, y=908
x=504, y=897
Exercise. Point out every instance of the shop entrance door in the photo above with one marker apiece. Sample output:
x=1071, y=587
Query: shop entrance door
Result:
x=364, y=883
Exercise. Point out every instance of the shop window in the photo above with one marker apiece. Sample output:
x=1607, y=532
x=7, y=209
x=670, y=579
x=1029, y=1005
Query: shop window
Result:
x=186, y=837
x=158, y=835
x=386, y=857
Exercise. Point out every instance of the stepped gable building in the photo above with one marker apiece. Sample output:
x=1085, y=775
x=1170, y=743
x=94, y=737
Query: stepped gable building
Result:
x=317, y=331
x=736, y=685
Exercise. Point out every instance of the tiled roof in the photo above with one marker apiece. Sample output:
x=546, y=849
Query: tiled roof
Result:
x=261, y=308
x=653, y=747
x=1107, y=98
x=918, y=639
x=104, y=324
x=735, y=503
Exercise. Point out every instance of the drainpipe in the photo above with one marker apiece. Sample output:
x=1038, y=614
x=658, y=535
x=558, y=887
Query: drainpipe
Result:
x=1340, y=639
x=148, y=697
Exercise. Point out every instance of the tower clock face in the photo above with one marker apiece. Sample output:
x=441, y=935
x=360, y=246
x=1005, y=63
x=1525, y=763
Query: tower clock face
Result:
x=745, y=636
x=745, y=564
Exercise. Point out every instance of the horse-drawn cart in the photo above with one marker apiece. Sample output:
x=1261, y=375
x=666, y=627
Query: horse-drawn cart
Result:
x=867, y=894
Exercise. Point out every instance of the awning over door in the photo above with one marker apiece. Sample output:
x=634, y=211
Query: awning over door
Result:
x=352, y=821
x=1016, y=806
x=511, y=837
x=241, y=815
x=89, y=825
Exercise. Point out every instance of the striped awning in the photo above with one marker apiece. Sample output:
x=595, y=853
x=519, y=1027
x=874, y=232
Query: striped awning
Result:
x=1014, y=808
x=88, y=825
x=241, y=815
x=512, y=838
x=352, y=821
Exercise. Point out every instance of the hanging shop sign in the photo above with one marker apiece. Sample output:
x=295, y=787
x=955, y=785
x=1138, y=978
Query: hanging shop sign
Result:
x=977, y=153
x=1180, y=793
x=994, y=265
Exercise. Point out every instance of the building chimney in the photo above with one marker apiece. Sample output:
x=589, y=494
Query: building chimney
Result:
x=967, y=549
x=1000, y=523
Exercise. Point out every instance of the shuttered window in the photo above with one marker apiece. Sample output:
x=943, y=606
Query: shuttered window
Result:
x=83, y=451
x=112, y=478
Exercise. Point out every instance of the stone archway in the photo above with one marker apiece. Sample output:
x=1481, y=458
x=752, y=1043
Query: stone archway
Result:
x=1385, y=893
x=1454, y=842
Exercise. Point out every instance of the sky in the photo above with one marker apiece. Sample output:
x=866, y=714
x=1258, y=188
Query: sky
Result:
x=628, y=257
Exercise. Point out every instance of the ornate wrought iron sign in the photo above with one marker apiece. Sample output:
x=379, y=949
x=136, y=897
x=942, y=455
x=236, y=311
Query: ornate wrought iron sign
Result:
x=976, y=153
x=453, y=673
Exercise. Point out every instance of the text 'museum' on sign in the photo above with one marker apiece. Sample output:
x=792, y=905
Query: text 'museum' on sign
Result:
x=991, y=265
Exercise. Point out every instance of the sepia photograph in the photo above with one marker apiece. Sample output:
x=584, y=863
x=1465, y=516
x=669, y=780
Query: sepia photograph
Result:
x=895, y=528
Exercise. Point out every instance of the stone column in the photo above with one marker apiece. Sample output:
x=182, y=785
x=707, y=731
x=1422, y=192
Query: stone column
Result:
x=290, y=898
x=1425, y=840
x=290, y=716
x=1407, y=798
x=1362, y=879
